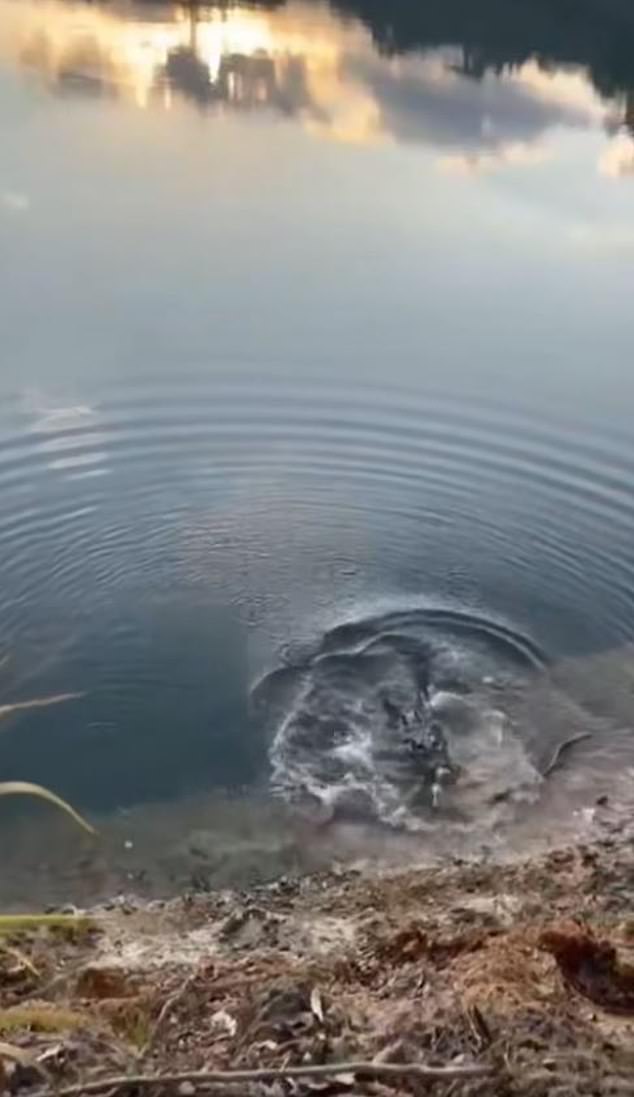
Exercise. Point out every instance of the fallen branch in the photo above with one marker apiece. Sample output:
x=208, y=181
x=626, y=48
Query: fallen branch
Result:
x=204, y=1078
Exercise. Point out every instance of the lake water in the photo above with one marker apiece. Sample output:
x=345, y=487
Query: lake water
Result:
x=315, y=316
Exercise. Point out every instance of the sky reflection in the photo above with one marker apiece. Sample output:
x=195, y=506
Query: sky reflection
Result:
x=308, y=64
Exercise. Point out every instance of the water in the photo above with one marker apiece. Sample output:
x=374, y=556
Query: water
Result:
x=315, y=316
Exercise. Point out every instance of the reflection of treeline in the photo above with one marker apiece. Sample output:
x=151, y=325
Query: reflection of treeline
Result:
x=493, y=34
x=598, y=34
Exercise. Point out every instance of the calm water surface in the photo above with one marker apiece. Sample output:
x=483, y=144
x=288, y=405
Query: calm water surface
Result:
x=310, y=315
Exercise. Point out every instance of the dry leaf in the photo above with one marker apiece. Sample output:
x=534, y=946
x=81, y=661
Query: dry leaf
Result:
x=54, y=1053
x=224, y=1020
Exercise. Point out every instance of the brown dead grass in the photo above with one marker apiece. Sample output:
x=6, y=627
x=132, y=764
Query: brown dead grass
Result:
x=43, y=1017
x=507, y=972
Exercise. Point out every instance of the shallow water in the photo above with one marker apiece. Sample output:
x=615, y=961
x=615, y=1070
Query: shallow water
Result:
x=312, y=315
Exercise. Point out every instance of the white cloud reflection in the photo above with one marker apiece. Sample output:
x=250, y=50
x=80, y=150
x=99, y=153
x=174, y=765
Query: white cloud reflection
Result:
x=618, y=158
x=306, y=64
x=13, y=201
x=507, y=155
x=67, y=433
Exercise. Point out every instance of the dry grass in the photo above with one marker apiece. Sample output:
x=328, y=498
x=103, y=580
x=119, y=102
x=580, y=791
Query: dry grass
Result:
x=42, y=1017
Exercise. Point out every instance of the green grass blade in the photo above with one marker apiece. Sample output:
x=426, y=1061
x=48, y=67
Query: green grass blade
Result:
x=25, y=788
x=22, y=923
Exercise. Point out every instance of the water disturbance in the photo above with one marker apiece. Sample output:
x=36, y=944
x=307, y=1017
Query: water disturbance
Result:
x=316, y=450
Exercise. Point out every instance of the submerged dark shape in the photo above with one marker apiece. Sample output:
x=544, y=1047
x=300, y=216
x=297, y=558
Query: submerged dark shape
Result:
x=372, y=723
x=419, y=739
x=360, y=734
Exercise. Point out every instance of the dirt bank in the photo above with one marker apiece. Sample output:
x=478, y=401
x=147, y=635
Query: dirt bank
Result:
x=446, y=966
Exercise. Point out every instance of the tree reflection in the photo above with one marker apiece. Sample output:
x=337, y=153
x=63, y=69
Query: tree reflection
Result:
x=496, y=35
x=265, y=56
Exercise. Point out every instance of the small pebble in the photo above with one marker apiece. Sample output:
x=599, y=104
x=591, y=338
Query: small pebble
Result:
x=186, y=1089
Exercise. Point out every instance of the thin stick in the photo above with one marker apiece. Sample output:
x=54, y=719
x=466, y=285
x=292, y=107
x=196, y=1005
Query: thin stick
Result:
x=38, y=702
x=204, y=1078
x=554, y=761
x=166, y=1008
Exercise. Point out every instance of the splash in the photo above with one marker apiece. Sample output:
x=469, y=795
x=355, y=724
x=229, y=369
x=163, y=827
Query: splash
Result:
x=406, y=719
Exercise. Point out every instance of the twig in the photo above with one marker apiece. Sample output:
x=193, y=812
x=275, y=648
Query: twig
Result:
x=203, y=1078
x=479, y=1026
x=38, y=702
x=554, y=761
x=166, y=1008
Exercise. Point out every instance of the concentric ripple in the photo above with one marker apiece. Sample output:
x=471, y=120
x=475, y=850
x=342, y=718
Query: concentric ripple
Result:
x=492, y=540
x=437, y=493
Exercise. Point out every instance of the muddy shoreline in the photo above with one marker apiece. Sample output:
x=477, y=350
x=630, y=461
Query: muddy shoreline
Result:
x=444, y=965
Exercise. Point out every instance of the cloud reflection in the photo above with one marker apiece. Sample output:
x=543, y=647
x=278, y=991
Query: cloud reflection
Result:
x=306, y=63
x=618, y=158
x=13, y=201
x=67, y=434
